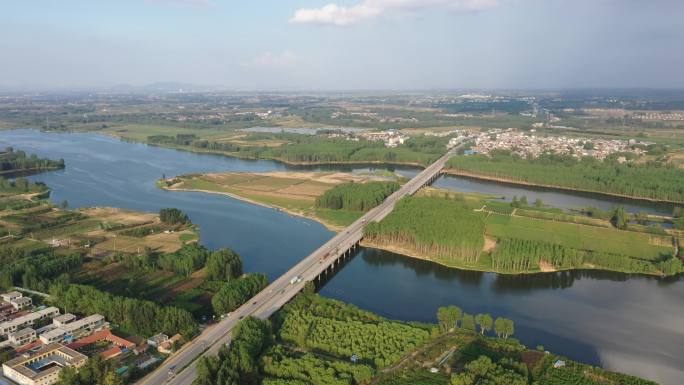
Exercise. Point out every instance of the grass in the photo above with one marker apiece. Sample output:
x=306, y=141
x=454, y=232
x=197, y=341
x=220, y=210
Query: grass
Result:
x=140, y=132
x=340, y=218
x=638, y=245
x=293, y=192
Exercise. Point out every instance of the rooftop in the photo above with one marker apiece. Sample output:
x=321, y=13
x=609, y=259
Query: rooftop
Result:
x=45, y=360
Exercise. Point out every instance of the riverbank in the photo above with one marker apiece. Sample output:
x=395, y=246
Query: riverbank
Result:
x=292, y=192
x=455, y=172
x=295, y=194
x=29, y=171
x=515, y=182
x=275, y=159
x=330, y=226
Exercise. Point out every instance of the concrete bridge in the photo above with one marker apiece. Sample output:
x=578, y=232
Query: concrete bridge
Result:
x=180, y=369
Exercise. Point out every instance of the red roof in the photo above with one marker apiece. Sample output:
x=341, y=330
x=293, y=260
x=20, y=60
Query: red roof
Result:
x=104, y=335
x=28, y=347
x=109, y=353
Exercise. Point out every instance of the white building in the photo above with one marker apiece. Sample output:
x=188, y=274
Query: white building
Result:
x=27, y=320
x=63, y=319
x=22, y=337
x=22, y=303
x=17, y=300
x=67, y=326
x=8, y=297
x=42, y=367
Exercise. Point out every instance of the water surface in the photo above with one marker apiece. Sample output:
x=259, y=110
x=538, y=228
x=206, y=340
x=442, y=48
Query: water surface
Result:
x=626, y=323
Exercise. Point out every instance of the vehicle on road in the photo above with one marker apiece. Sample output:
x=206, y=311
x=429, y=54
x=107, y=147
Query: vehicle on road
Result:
x=295, y=279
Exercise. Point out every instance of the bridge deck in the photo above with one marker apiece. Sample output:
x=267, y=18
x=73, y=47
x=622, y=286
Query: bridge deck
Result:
x=180, y=369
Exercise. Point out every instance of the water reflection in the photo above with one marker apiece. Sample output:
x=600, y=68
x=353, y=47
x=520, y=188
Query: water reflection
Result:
x=630, y=323
x=421, y=268
x=551, y=197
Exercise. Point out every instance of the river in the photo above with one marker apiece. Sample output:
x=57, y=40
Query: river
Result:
x=623, y=322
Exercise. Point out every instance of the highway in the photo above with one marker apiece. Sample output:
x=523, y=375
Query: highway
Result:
x=180, y=368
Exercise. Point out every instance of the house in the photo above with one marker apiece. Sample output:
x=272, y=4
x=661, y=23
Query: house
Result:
x=66, y=327
x=103, y=335
x=42, y=366
x=559, y=364
x=22, y=337
x=157, y=340
x=27, y=320
x=167, y=346
x=63, y=319
x=21, y=303
x=8, y=297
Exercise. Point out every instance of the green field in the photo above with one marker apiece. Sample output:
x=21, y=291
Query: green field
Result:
x=638, y=245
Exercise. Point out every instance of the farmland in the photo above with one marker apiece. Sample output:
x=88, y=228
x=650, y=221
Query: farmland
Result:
x=293, y=192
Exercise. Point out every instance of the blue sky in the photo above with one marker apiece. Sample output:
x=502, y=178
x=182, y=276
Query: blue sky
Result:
x=343, y=44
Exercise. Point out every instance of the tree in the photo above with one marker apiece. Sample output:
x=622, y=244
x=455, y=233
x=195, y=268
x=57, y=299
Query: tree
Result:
x=523, y=201
x=236, y=292
x=173, y=216
x=504, y=327
x=509, y=328
x=449, y=317
x=485, y=322
x=618, y=220
x=538, y=203
x=483, y=371
x=68, y=376
x=468, y=322
x=223, y=265
x=65, y=204
x=111, y=378
x=499, y=326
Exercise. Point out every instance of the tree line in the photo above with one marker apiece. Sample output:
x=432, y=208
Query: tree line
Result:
x=11, y=160
x=356, y=196
x=233, y=294
x=132, y=315
x=38, y=271
x=523, y=255
x=21, y=185
x=221, y=265
x=300, y=148
x=435, y=226
x=238, y=364
x=653, y=180
x=452, y=317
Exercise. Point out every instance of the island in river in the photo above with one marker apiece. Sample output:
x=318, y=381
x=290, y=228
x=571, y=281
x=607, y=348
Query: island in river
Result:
x=466, y=231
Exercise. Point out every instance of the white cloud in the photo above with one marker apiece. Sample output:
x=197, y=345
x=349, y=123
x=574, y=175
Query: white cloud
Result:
x=191, y=3
x=334, y=14
x=269, y=60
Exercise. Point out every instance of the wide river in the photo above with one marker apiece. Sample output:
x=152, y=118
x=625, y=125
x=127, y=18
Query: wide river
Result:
x=622, y=322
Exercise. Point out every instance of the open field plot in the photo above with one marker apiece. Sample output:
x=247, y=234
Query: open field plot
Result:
x=98, y=231
x=140, y=132
x=638, y=245
x=294, y=191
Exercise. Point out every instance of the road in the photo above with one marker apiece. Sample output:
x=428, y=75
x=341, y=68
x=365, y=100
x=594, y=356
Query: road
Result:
x=180, y=368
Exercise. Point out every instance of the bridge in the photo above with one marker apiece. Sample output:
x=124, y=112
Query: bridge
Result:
x=180, y=368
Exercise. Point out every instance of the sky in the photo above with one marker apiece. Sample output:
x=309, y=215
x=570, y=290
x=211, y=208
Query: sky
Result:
x=343, y=44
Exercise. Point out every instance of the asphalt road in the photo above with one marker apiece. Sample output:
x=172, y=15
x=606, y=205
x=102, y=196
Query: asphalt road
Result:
x=180, y=368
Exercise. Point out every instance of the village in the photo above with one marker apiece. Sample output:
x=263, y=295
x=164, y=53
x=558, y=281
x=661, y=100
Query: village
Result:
x=38, y=342
x=530, y=145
